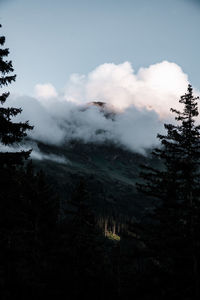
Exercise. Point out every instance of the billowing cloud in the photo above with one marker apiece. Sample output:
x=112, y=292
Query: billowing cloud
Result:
x=156, y=87
x=63, y=121
x=141, y=103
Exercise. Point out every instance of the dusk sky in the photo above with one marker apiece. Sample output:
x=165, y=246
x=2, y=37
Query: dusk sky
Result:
x=50, y=40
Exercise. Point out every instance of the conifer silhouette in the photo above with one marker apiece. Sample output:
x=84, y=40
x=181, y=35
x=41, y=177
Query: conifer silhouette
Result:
x=175, y=237
x=11, y=133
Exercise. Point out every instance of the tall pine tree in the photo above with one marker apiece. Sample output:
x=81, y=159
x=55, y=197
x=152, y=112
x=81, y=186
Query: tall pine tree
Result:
x=11, y=133
x=12, y=217
x=175, y=238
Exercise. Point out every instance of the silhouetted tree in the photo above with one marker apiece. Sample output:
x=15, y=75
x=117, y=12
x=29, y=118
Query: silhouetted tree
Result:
x=10, y=132
x=11, y=200
x=28, y=206
x=176, y=184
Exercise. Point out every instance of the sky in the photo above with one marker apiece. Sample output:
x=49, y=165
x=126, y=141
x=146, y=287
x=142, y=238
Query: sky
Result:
x=50, y=40
x=138, y=56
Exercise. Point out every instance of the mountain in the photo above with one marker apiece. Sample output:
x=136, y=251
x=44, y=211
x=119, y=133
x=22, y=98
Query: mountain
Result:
x=110, y=174
x=107, y=110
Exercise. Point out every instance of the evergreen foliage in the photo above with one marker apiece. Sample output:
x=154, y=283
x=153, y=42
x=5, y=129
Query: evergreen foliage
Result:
x=87, y=258
x=11, y=133
x=28, y=207
x=174, y=239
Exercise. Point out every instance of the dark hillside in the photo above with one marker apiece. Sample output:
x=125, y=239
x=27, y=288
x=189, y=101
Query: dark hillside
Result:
x=109, y=171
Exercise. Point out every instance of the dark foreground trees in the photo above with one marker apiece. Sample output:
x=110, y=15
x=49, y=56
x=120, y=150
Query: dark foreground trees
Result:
x=38, y=256
x=175, y=240
x=28, y=208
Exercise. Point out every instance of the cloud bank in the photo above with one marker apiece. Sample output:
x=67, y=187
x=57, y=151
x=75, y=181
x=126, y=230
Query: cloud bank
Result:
x=141, y=102
x=156, y=87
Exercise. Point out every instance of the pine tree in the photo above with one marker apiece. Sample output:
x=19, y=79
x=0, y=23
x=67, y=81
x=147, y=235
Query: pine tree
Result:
x=176, y=185
x=12, y=217
x=11, y=133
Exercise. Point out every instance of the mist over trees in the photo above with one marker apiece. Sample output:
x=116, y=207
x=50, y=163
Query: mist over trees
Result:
x=57, y=249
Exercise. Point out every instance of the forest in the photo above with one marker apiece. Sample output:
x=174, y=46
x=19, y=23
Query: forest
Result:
x=75, y=251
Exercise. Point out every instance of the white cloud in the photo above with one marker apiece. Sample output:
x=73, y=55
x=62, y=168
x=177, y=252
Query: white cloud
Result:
x=142, y=102
x=156, y=87
x=45, y=91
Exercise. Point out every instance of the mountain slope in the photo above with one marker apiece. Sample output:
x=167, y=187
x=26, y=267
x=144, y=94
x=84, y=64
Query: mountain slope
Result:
x=110, y=173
